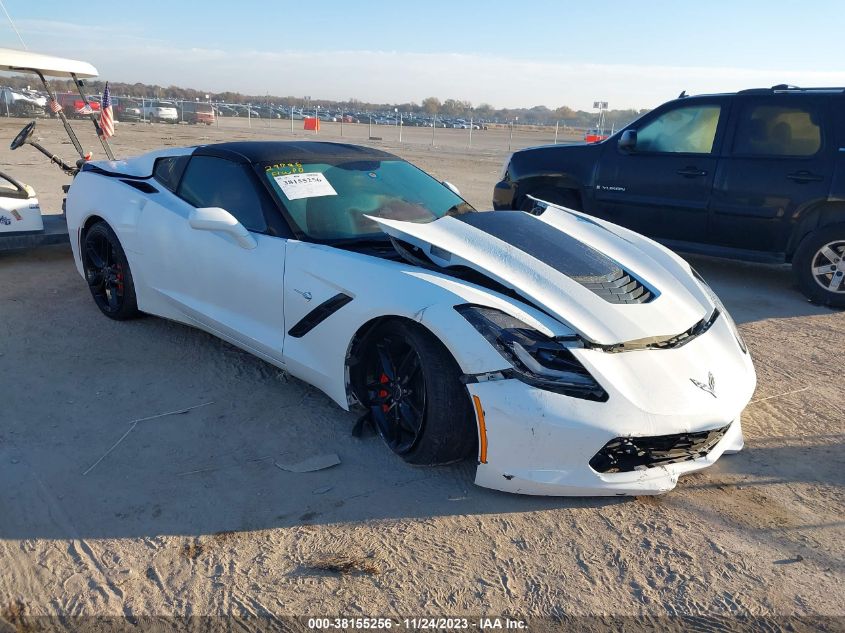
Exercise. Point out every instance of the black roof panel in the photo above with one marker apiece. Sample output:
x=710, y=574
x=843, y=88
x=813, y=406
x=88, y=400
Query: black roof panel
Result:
x=266, y=151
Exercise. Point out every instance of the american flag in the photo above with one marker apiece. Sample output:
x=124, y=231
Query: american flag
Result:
x=54, y=106
x=106, y=115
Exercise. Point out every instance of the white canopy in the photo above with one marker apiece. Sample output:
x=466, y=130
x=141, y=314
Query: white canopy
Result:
x=15, y=61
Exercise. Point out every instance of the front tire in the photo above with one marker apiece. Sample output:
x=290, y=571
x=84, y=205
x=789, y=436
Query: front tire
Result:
x=418, y=404
x=819, y=265
x=108, y=274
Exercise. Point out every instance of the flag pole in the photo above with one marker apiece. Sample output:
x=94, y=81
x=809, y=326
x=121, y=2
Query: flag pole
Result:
x=71, y=134
x=103, y=140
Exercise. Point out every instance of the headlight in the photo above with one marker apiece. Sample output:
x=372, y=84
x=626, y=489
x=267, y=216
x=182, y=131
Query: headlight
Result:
x=721, y=308
x=537, y=360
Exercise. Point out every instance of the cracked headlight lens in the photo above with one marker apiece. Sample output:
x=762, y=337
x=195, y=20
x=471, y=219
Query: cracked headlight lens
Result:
x=537, y=360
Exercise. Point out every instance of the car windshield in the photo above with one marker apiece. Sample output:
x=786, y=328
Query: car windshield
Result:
x=330, y=200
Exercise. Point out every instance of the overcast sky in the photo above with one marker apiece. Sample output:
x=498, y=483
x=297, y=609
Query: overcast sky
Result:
x=508, y=54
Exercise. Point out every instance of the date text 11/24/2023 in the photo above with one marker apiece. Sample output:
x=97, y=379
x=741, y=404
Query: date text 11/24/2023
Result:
x=418, y=623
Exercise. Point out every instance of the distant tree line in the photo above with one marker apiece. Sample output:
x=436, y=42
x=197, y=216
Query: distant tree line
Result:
x=450, y=108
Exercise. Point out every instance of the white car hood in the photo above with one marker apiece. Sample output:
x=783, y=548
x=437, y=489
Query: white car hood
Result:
x=553, y=259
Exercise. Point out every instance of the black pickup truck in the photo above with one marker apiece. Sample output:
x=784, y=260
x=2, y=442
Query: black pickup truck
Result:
x=757, y=175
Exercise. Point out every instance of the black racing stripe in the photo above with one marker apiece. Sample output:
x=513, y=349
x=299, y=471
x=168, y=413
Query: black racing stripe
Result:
x=319, y=314
x=575, y=259
x=555, y=248
x=111, y=174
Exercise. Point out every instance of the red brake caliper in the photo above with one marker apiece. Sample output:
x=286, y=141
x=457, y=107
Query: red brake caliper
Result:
x=383, y=392
x=119, y=278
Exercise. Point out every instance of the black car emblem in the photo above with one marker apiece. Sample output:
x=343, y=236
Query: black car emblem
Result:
x=710, y=387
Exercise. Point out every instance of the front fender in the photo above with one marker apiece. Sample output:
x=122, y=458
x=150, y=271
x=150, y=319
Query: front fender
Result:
x=381, y=288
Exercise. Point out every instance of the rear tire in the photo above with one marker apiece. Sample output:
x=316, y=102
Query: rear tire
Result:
x=108, y=274
x=819, y=265
x=411, y=384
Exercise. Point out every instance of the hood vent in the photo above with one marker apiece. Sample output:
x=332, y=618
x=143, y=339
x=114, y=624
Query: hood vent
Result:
x=566, y=254
x=617, y=287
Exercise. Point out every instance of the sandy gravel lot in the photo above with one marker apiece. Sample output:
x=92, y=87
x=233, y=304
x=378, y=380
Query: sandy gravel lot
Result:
x=189, y=516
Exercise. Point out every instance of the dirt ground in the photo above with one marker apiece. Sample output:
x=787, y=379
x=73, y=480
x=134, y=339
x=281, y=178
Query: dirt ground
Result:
x=188, y=515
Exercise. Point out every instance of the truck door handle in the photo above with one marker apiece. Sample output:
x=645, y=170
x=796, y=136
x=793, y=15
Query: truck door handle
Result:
x=804, y=176
x=691, y=172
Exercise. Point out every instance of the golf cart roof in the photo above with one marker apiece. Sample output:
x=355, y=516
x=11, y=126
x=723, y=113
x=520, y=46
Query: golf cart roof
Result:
x=47, y=65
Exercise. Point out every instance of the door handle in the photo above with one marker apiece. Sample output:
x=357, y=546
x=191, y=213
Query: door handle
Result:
x=691, y=172
x=804, y=176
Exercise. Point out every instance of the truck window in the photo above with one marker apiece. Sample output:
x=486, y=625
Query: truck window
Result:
x=773, y=130
x=689, y=129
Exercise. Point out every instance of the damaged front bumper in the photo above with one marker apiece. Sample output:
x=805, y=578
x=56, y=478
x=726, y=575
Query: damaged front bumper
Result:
x=655, y=426
x=531, y=450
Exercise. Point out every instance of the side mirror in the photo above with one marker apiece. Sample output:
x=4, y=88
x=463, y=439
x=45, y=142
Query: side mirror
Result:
x=217, y=219
x=628, y=141
x=451, y=187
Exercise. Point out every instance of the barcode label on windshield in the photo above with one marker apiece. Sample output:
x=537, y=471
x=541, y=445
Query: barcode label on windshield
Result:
x=297, y=186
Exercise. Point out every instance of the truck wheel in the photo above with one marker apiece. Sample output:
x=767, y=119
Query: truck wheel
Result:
x=819, y=265
x=562, y=197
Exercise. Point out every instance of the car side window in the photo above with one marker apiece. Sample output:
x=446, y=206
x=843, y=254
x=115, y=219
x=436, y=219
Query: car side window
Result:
x=169, y=169
x=689, y=129
x=777, y=130
x=216, y=182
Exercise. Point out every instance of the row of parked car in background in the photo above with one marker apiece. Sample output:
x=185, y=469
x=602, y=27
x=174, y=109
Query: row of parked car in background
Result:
x=31, y=103
x=336, y=116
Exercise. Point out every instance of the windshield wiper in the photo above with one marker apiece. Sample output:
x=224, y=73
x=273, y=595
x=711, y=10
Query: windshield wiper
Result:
x=459, y=209
x=369, y=240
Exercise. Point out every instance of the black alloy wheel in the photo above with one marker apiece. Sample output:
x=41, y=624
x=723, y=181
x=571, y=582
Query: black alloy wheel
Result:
x=107, y=273
x=396, y=390
x=411, y=385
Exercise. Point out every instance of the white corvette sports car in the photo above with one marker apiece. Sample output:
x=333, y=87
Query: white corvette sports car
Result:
x=568, y=355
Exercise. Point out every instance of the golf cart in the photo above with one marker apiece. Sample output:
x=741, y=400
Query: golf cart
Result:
x=21, y=222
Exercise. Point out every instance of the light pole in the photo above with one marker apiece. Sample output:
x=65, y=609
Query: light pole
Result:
x=471, y=117
x=316, y=119
x=601, y=106
x=510, y=140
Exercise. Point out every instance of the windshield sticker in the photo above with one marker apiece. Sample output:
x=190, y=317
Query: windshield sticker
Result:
x=282, y=169
x=297, y=186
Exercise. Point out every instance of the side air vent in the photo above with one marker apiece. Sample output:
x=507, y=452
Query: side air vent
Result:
x=140, y=185
x=319, y=314
x=617, y=287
